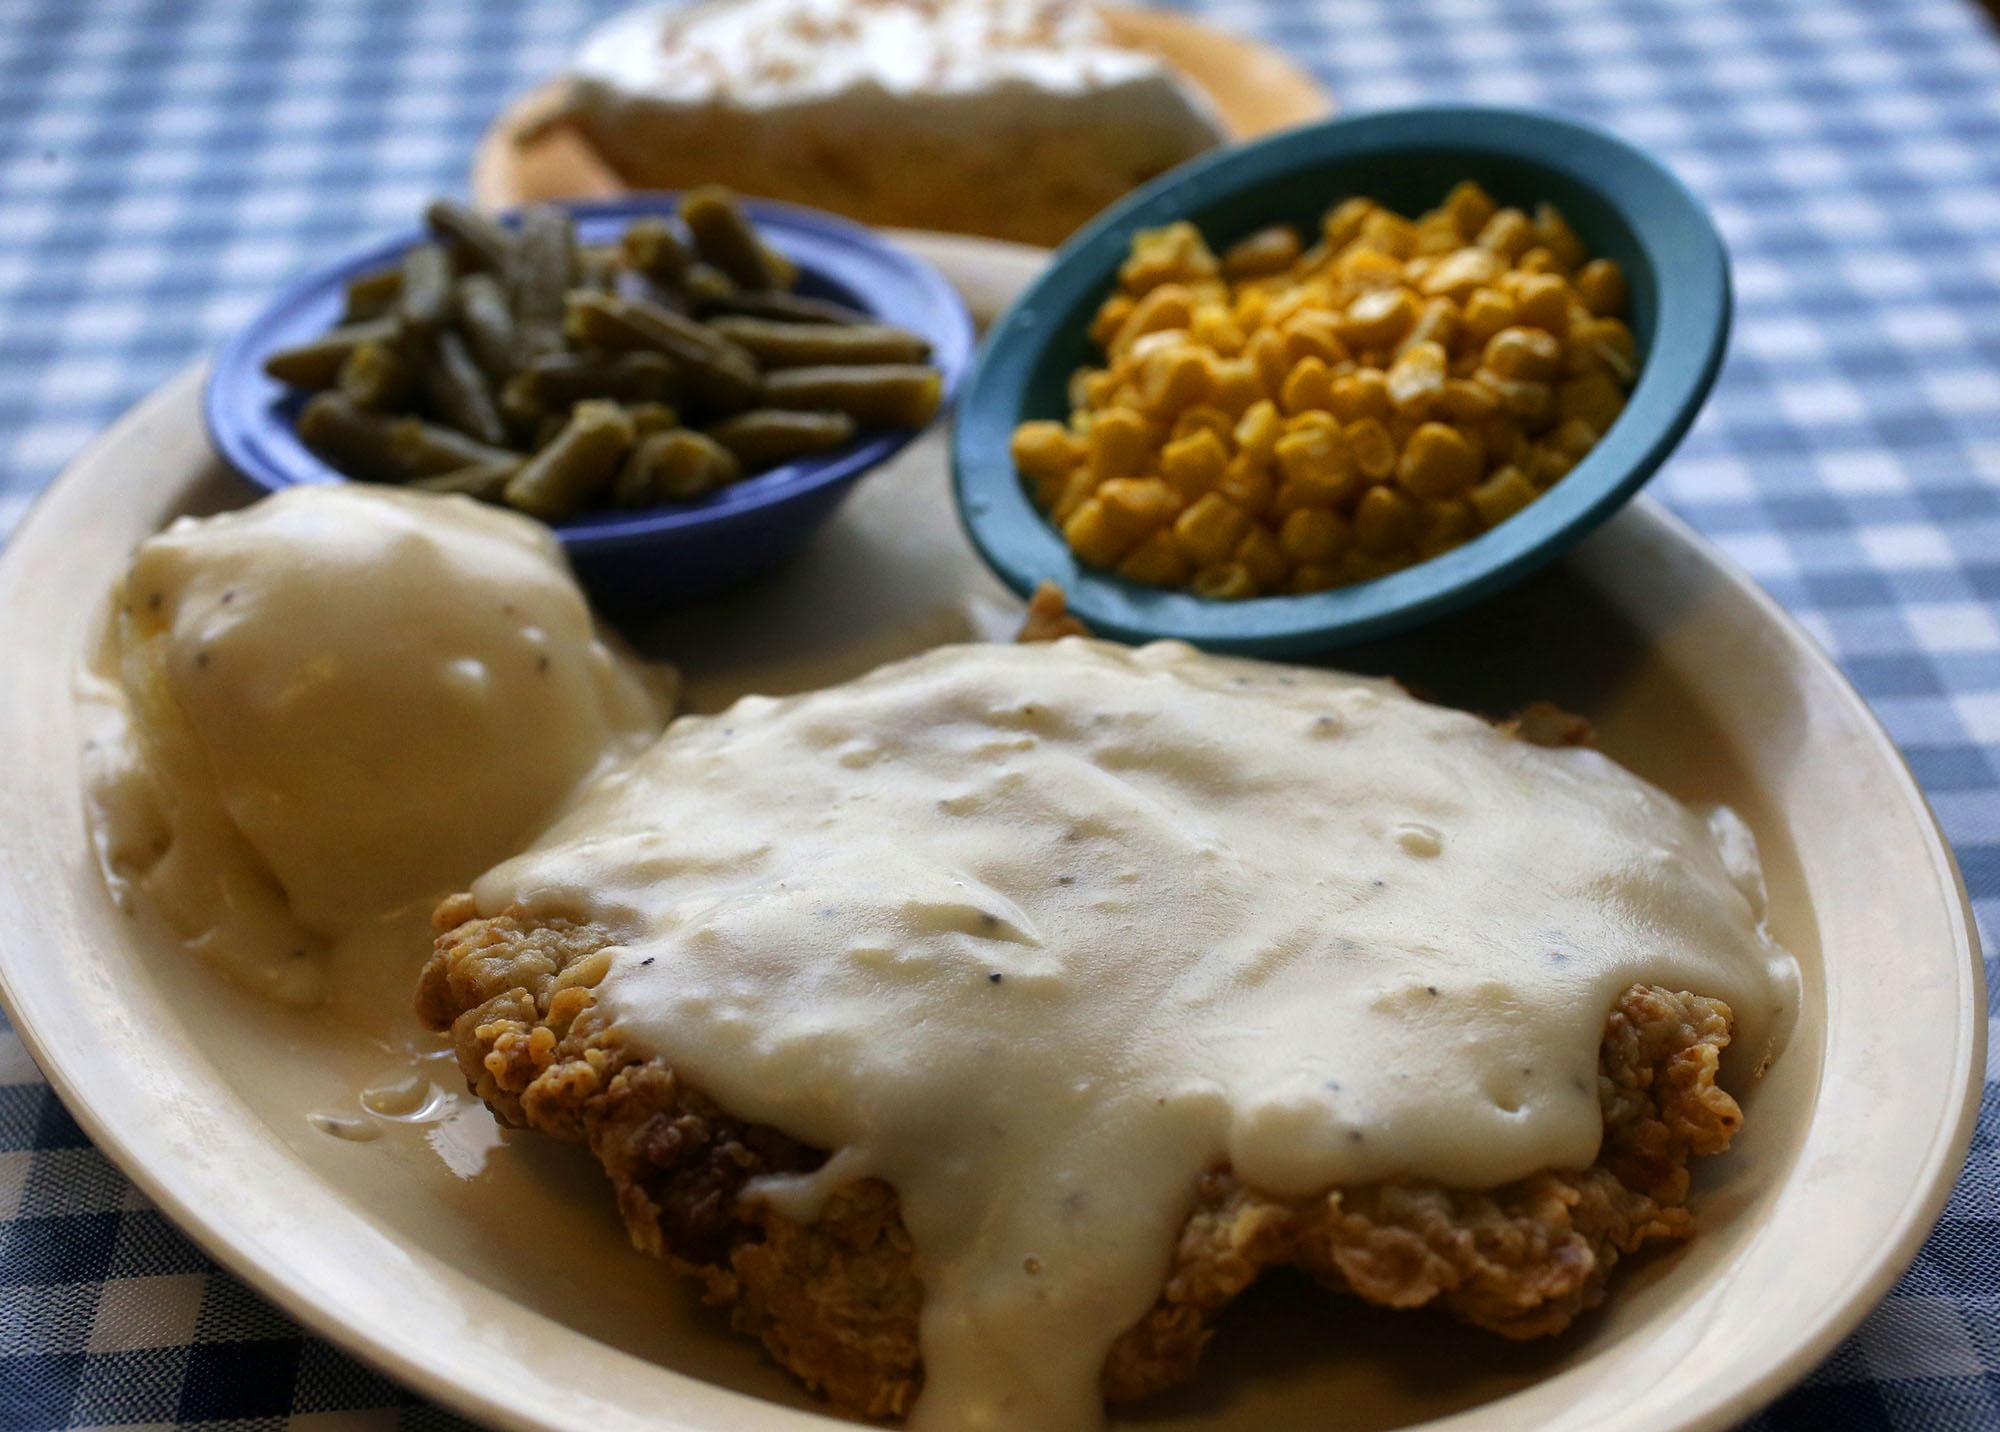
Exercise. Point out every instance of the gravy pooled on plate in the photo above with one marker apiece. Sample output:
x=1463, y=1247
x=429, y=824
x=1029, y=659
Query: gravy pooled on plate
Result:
x=1039, y=934
x=337, y=702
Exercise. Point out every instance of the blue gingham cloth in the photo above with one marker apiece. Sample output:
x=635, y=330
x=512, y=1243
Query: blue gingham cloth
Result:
x=165, y=163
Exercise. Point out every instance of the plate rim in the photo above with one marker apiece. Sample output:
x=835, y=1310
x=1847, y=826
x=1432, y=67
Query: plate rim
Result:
x=428, y=1368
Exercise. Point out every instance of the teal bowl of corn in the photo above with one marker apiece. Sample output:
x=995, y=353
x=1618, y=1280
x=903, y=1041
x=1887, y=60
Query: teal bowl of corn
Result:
x=1342, y=381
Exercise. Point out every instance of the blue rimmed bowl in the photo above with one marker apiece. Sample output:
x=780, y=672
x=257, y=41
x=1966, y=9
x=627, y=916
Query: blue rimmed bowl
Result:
x=659, y=553
x=1623, y=203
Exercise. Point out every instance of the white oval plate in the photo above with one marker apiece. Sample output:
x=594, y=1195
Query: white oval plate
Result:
x=488, y=1271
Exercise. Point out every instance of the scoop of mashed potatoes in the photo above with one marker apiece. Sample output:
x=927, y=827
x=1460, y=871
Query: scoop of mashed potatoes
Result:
x=338, y=702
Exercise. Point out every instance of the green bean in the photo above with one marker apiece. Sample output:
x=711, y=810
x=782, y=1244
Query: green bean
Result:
x=650, y=418
x=427, y=449
x=651, y=249
x=544, y=259
x=889, y=395
x=706, y=284
x=485, y=480
x=717, y=373
x=376, y=375
x=480, y=242
x=597, y=268
x=372, y=294
x=424, y=304
x=579, y=463
x=673, y=465
x=811, y=345
x=350, y=438
x=486, y=323
x=316, y=364
x=785, y=307
x=556, y=380
x=458, y=390
x=723, y=237
x=765, y=437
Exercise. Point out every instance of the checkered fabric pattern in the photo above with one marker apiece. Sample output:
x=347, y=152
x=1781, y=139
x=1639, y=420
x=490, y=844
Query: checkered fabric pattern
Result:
x=165, y=163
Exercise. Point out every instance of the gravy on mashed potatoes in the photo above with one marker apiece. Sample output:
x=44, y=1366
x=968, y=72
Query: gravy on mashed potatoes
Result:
x=335, y=703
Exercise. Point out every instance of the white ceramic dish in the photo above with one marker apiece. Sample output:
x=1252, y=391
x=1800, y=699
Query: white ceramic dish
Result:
x=488, y=1271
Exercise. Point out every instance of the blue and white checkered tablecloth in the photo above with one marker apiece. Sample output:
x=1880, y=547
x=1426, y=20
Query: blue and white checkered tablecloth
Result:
x=165, y=163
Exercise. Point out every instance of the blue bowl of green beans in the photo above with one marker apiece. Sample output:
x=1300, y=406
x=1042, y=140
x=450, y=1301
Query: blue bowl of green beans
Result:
x=649, y=555
x=1624, y=205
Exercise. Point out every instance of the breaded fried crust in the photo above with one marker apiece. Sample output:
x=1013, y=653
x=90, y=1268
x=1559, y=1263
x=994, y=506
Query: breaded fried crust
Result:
x=836, y=1301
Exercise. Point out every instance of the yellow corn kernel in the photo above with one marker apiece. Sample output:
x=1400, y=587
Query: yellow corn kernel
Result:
x=1437, y=322
x=1378, y=318
x=1117, y=443
x=1076, y=490
x=1508, y=234
x=1502, y=495
x=1593, y=398
x=1539, y=260
x=1202, y=415
x=1258, y=430
x=1192, y=465
x=1234, y=385
x=1316, y=420
x=1310, y=577
x=1442, y=526
x=1224, y=582
x=1384, y=521
x=1470, y=206
x=1266, y=352
x=1210, y=528
x=1373, y=450
x=1552, y=231
x=1388, y=232
x=1487, y=311
x=1315, y=452
x=1261, y=558
x=1533, y=403
x=1045, y=450
x=1439, y=461
x=1503, y=440
x=1169, y=306
x=1468, y=402
x=1314, y=333
x=1547, y=465
x=1365, y=270
x=1416, y=380
x=1362, y=394
x=1140, y=503
x=1543, y=301
x=1111, y=316
x=1268, y=251
x=1344, y=220
x=1437, y=235
x=1091, y=387
x=1249, y=307
x=1097, y=535
x=1573, y=436
x=1462, y=273
x=1248, y=484
x=1312, y=534
x=1608, y=344
x=1174, y=254
x=1174, y=379
x=1601, y=285
x=1305, y=387
x=1215, y=329
x=1158, y=561
x=1526, y=354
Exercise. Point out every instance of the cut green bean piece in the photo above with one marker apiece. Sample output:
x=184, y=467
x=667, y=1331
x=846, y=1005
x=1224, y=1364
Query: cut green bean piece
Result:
x=785, y=307
x=706, y=285
x=884, y=395
x=424, y=305
x=372, y=294
x=485, y=481
x=765, y=437
x=316, y=364
x=576, y=466
x=486, y=323
x=723, y=237
x=350, y=438
x=597, y=268
x=483, y=243
x=650, y=418
x=811, y=345
x=557, y=380
x=459, y=392
x=654, y=251
x=377, y=375
x=716, y=373
x=672, y=466
x=426, y=449
x=538, y=278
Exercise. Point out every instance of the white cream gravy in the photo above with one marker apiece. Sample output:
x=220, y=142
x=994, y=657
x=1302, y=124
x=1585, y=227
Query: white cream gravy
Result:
x=1037, y=934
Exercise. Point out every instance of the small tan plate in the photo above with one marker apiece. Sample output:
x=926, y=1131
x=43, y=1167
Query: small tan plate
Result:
x=1253, y=87
x=489, y=1272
